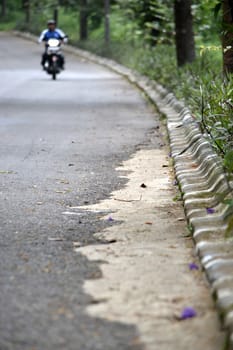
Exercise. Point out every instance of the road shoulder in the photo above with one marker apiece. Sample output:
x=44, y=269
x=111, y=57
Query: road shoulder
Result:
x=147, y=277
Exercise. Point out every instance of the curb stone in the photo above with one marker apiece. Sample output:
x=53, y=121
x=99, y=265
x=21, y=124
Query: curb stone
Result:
x=202, y=181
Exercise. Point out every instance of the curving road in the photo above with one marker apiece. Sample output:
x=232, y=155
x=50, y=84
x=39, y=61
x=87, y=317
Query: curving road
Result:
x=60, y=143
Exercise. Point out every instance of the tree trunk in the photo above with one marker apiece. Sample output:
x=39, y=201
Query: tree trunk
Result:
x=107, y=26
x=55, y=15
x=83, y=20
x=227, y=38
x=185, y=45
x=28, y=13
x=26, y=8
x=3, y=9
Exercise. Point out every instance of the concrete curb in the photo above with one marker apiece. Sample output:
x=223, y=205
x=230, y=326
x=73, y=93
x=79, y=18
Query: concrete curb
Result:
x=202, y=181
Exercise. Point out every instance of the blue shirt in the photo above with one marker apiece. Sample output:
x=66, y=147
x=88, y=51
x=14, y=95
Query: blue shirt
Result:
x=51, y=34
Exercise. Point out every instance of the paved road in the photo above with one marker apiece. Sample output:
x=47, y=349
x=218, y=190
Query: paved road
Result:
x=60, y=142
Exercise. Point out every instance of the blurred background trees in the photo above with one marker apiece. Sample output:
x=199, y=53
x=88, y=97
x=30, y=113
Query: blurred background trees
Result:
x=111, y=23
x=151, y=21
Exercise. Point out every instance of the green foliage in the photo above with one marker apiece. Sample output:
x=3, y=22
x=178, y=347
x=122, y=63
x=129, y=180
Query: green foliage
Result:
x=217, y=115
x=69, y=23
x=154, y=18
x=207, y=24
x=228, y=161
x=229, y=230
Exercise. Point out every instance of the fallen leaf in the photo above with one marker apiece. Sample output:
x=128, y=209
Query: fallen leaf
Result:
x=128, y=200
x=177, y=300
x=77, y=244
x=57, y=239
x=143, y=185
x=95, y=275
x=47, y=268
x=71, y=213
x=63, y=181
x=64, y=191
x=98, y=301
x=6, y=172
x=110, y=241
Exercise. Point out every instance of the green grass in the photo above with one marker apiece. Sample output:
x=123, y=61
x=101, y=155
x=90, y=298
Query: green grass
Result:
x=11, y=22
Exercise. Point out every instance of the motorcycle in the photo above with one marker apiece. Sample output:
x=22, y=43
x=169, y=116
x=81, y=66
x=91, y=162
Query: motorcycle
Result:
x=54, y=63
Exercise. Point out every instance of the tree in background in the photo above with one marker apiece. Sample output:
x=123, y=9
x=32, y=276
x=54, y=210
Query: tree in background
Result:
x=184, y=36
x=106, y=22
x=157, y=22
x=83, y=18
x=26, y=5
x=91, y=14
x=153, y=18
x=206, y=25
x=226, y=7
x=7, y=6
x=227, y=37
x=3, y=9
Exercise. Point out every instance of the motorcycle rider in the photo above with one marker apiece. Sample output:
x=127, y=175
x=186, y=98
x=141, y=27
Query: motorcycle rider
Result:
x=52, y=33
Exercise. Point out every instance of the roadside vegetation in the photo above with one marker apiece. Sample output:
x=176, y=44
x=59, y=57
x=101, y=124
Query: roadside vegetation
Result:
x=142, y=35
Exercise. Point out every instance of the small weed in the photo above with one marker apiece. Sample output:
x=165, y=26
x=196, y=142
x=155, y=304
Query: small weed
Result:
x=178, y=198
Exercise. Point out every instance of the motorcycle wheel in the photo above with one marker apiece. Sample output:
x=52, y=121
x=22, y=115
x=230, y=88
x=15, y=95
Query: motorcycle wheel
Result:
x=54, y=71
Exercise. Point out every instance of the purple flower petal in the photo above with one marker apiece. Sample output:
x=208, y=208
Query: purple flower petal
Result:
x=110, y=218
x=188, y=312
x=210, y=210
x=193, y=266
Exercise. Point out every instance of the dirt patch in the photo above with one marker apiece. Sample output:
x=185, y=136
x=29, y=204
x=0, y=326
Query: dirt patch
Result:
x=147, y=277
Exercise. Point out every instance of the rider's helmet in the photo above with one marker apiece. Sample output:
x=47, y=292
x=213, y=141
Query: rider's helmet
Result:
x=51, y=22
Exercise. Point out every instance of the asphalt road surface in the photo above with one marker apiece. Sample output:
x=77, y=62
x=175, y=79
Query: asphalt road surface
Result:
x=60, y=143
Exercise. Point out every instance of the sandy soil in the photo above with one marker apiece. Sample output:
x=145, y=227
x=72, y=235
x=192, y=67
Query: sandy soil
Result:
x=147, y=280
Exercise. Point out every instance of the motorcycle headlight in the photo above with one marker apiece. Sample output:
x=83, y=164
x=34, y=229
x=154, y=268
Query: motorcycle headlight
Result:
x=53, y=42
